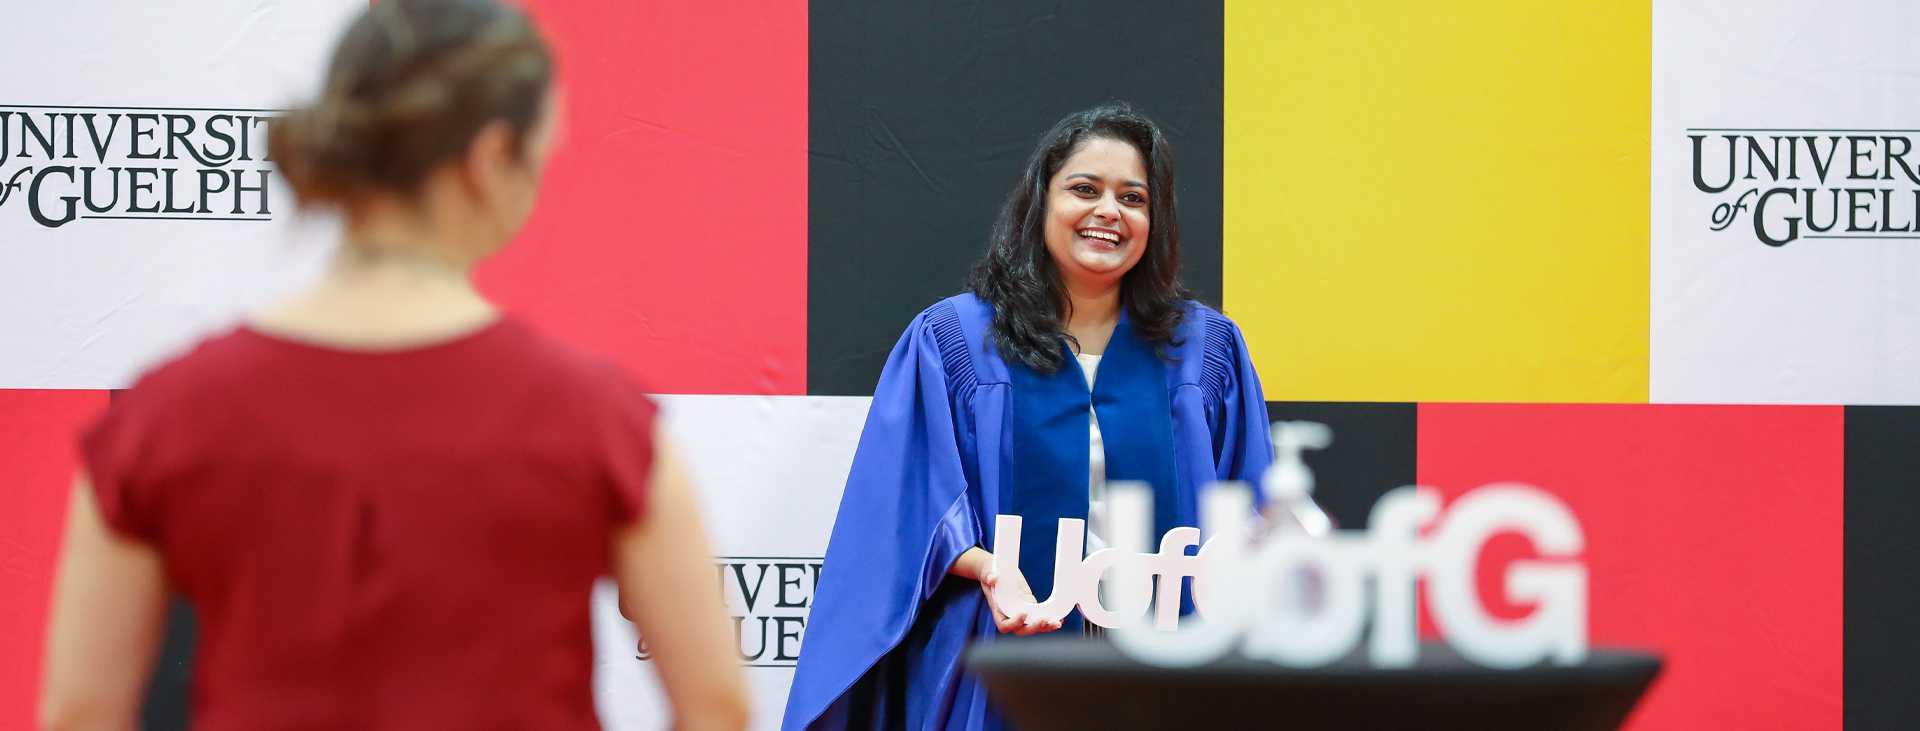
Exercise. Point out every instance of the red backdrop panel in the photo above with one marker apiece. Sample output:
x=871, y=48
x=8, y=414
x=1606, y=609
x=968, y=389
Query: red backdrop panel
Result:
x=671, y=232
x=1713, y=536
x=37, y=431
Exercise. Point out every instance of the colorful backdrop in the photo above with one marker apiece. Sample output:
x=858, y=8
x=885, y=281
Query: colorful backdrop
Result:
x=1655, y=258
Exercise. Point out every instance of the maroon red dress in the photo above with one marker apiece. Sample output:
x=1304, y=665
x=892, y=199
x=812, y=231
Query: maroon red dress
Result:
x=391, y=539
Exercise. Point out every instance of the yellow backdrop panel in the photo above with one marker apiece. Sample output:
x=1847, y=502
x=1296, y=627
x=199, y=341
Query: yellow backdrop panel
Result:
x=1439, y=201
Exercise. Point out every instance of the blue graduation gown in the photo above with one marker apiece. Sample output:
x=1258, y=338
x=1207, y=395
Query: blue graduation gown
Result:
x=937, y=460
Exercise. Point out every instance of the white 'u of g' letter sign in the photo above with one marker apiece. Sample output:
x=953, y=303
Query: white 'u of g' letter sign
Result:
x=1247, y=599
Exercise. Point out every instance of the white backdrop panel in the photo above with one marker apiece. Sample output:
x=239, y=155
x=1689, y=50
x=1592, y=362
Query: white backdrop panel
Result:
x=1813, y=320
x=88, y=302
x=770, y=470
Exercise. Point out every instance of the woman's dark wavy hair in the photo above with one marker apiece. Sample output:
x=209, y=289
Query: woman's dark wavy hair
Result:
x=1018, y=277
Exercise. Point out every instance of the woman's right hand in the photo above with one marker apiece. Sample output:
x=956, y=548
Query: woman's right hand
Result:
x=977, y=564
x=1018, y=623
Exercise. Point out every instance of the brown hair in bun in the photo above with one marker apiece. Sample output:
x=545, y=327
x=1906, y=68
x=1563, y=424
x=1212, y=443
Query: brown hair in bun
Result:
x=409, y=86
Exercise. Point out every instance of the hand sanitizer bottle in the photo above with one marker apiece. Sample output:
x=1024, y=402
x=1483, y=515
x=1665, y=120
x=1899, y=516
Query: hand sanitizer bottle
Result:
x=1288, y=482
x=1290, y=508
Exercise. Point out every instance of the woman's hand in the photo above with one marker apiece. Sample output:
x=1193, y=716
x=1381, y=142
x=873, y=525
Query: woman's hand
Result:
x=977, y=564
x=1018, y=622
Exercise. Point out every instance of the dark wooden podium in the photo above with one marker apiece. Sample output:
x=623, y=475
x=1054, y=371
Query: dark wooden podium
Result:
x=1077, y=683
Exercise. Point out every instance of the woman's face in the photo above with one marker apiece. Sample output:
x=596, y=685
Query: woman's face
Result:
x=1097, y=213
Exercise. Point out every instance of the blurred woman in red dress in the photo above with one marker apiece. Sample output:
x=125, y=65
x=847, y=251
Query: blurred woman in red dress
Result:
x=387, y=501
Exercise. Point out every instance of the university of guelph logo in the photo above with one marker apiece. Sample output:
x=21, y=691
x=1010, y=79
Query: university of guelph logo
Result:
x=1792, y=184
x=768, y=598
x=68, y=163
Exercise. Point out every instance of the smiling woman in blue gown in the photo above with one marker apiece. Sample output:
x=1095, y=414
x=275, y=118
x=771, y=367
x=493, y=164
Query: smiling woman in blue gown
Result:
x=1077, y=358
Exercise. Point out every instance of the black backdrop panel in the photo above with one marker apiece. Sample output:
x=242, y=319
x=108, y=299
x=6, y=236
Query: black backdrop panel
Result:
x=920, y=116
x=1373, y=451
x=1882, y=545
x=166, y=708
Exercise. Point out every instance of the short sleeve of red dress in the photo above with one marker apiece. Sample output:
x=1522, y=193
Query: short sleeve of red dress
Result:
x=119, y=451
x=624, y=445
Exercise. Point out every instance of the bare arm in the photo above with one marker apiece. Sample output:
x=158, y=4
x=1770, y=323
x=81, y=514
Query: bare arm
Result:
x=665, y=570
x=109, y=602
x=974, y=564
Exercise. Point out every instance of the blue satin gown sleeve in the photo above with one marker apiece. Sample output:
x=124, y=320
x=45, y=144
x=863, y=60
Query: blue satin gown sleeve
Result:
x=881, y=649
x=1236, y=408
